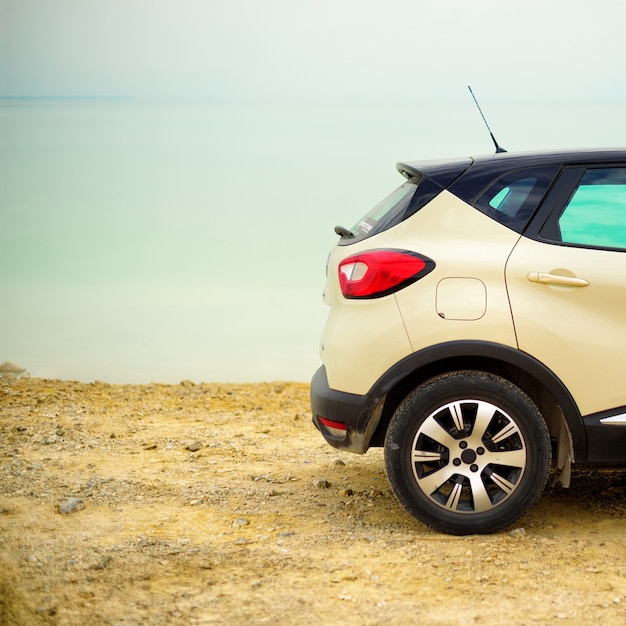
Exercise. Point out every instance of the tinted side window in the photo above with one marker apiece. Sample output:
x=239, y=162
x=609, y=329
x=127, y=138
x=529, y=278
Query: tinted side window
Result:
x=513, y=198
x=596, y=212
x=510, y=199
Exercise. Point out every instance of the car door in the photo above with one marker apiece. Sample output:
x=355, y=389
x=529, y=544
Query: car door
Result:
x=566, y=279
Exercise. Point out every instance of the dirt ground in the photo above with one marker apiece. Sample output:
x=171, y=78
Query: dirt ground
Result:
x=221, y=504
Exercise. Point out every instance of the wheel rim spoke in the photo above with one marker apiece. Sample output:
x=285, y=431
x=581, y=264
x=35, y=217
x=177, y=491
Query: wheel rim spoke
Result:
x=484, y=415
x=437, y=433
x=454, y=499
x=510, y=458
x=457, y=415
x=503, y=483
x=482, y=501
x=425, y=456
x=435, y=480
x=507, y=431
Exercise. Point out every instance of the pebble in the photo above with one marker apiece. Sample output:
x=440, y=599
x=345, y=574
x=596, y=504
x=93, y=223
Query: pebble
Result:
x=104, y=563
x=518, y=532
x=194, y=446
x=240, y=521
x=322, y=483
x=47, y=611
x=70, y=506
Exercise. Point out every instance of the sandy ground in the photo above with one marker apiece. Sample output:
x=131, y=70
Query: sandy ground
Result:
x=221, y=504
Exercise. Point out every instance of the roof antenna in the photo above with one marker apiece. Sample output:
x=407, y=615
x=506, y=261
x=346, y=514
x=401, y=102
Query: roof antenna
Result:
x=495, y=143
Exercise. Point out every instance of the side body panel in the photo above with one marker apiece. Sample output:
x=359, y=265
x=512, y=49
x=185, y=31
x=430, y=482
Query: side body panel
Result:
x=463, y=298
x=569, y=307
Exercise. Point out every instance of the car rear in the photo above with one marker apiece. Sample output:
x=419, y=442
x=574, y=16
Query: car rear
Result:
x=423, y=267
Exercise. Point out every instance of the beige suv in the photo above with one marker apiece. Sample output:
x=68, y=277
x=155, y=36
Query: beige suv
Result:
x=477, y=331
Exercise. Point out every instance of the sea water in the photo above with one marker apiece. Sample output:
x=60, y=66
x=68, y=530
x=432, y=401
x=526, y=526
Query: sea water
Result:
x=161, y=241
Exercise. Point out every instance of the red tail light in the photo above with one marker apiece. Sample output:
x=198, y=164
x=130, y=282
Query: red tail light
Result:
x=378, y=273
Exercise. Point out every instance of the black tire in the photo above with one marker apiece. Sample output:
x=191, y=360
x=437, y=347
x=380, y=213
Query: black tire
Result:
x=467, y=452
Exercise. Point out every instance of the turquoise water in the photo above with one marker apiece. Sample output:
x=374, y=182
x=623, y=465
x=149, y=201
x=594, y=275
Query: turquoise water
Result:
x=156, y=241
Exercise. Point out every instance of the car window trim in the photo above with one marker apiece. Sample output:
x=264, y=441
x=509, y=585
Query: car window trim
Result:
x=547, y=215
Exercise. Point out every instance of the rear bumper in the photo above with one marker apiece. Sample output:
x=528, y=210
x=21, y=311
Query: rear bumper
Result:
x=360, y=414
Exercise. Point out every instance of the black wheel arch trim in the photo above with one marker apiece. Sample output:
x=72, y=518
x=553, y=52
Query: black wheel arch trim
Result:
x=477, y=349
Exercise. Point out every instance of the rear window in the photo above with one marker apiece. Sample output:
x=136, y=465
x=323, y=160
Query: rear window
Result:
x=386, y=212
x=393, y=209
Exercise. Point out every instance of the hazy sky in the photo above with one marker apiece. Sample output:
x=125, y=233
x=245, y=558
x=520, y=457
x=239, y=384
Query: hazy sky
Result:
x=321, y=49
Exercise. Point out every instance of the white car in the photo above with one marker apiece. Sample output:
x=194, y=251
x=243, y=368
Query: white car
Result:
x=477, y=331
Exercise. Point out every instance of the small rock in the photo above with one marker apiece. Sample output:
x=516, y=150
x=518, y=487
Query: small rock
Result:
x=240, y=521
x=70, y=506
x=321, y=483
x=149, y=445
x=338, y=462
x=346, y=492
x=194, y=446
x=518, y=532
x=48, y=611
x=105, y=562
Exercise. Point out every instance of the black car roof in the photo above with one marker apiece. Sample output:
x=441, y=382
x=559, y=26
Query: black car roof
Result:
x=445, y=171
x=467, y=177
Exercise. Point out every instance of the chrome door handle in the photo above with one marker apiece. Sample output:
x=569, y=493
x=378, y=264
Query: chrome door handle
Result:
x=556, y=279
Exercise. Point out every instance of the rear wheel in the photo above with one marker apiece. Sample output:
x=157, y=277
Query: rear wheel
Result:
x=467, y=452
